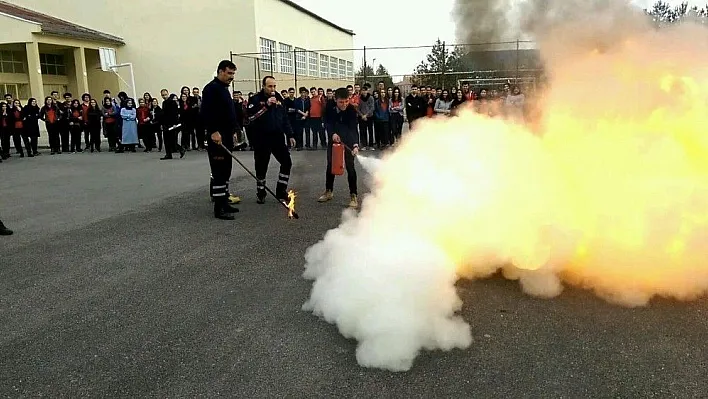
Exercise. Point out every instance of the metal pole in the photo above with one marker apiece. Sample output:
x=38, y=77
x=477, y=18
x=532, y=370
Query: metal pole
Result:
x=231, y=58
x=132, y=81
x=295, y=65
x=442, y=72
x=516, y=79
x=271, y=61
x=256, y=74
x=363, y=82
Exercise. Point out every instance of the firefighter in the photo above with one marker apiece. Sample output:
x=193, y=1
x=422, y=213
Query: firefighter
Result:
x=219, y=117
x=269, y=126
x=342, y=126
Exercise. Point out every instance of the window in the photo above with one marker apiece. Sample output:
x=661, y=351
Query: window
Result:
x=12, y=62
x=301, y=61
x=52, y=64
x=312, y=57
x=267, y=58
x=286, y=58
x=350, y=70
x=48, y=88
x=324, y=66
x=333, y=67
x=18, y=90
x=342, y=69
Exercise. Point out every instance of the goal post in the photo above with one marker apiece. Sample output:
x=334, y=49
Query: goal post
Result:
x=107, y=57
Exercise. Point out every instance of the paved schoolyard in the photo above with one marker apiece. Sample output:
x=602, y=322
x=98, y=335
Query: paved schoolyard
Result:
x=118, y=283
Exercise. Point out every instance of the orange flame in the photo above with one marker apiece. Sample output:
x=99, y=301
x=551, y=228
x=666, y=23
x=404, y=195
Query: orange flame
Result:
x=291, y=203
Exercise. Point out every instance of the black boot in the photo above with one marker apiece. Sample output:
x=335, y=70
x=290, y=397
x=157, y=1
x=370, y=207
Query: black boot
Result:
x=4, y=231
x=261, y=197
x=229, y=209
x=220, y=212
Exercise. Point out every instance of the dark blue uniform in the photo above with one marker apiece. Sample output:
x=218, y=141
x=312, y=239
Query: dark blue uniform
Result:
x=219, y=115
x=270, y=130
x=344, y=124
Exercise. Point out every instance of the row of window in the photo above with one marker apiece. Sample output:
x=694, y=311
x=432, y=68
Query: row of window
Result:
x=305, y=63
x=14, y=62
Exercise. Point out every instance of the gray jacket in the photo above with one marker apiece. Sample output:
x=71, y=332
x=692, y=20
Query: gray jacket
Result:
x=367, y=107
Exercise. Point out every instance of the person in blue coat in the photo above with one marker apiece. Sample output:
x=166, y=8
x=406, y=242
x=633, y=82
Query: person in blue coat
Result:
x=128, y=115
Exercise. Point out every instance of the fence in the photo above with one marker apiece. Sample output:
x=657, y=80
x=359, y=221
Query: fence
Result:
x=441, y=65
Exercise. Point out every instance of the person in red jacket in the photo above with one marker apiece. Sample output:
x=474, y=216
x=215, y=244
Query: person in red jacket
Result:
x=143, y=116
x=50, y=115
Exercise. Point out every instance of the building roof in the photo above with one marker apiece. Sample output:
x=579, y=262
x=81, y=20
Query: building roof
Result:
x=57, y=27
x=317, y=17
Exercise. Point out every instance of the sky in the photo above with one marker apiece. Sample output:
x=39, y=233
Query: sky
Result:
x=393, y=30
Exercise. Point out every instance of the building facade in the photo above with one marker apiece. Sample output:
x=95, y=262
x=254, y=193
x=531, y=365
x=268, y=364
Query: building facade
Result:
x=53, y=45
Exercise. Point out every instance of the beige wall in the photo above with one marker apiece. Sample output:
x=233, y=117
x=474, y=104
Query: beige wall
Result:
x=170, y=42
x=276, y=20
x=180, y=42
x=16, y=31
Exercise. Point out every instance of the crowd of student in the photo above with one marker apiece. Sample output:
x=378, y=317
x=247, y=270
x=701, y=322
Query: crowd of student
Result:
x=76, y=125
x=382, y=111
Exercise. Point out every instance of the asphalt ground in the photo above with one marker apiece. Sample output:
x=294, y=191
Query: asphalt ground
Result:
x=119, y=283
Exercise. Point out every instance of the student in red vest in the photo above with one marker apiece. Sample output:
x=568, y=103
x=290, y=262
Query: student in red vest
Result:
x=4, y=132
x=76, y=125
x=18, y=129
x=50, y=114
x=111, y=128
x=317, y=104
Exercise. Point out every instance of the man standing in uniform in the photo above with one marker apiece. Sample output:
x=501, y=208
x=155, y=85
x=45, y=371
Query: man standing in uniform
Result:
x=268, y=121
x=219, y=118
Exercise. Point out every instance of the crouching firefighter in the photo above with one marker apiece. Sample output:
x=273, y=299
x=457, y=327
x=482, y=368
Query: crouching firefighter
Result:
x=342, y=124
x=219, y=117
x=268, y=122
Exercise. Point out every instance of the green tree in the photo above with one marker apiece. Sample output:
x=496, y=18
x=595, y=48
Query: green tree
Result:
x=663, y=14
x=440, y=67
x=368, y=75
x=364, y=74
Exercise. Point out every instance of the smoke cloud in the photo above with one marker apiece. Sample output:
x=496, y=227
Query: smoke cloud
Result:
x=609, y=196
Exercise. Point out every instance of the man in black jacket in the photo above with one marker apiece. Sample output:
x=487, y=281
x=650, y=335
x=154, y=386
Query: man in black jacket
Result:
x=219, y=117
x=415, y=106
x=170, y=119
x=268, y=121
x=342, y=122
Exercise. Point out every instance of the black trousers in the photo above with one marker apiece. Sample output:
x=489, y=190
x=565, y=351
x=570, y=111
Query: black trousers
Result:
x=200, y=133
x=110, y=130
x=261, y=155
x=366, y=132
x=220, y=165
x=17, y=139
x=396, y=127
x=54, y=140
x=95, y=142
x=188, y=135
x=351, y=171
x=76, y=137
x=64, y=135
x=87, y=136
x=5, y=135
x=317, y=132
x=170, y=137
x=32, y=144
x=382, y=133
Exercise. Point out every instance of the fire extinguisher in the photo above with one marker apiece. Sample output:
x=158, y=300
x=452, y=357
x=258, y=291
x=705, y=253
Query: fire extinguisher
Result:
x=337, y=159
